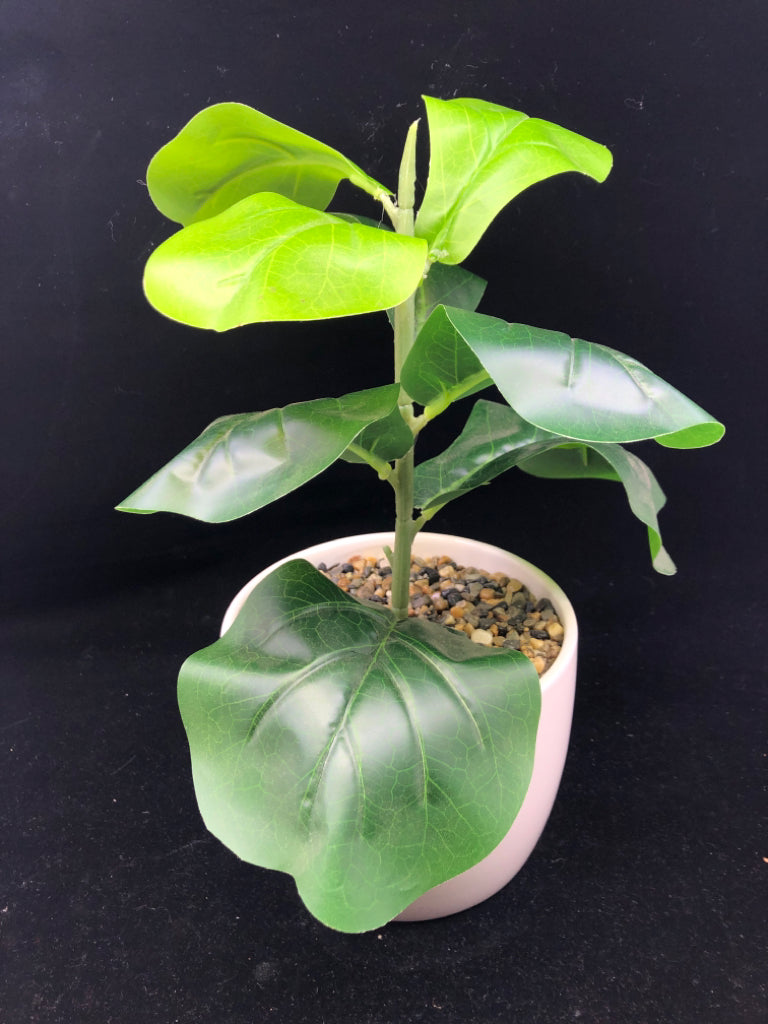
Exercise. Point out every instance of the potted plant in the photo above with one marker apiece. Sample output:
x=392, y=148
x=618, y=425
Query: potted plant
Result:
x=380, y=758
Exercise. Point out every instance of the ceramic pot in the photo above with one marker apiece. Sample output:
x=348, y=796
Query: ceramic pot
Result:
x=557, y=685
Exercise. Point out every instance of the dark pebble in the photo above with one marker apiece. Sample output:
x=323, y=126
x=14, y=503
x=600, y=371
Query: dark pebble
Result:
x=540, y=634
x=346, y=567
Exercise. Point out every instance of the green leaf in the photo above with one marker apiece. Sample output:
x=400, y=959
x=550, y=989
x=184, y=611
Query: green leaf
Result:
x=482, y=156
x=444, y=285
x=267, y=258
x=441, y=367
x=574, y=388
x=611, y=461
x=496, y=439
x=230, y=151
x=386, y=439
x=570, y=461
x=370, y=759
x=243, y=462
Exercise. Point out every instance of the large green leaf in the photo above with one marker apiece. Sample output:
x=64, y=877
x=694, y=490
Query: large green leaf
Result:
x=267, y=258
x=230, y=151
x=243, y=462
x=368, y=758
x=574, y=388
x=482, y=156
x=496, y=439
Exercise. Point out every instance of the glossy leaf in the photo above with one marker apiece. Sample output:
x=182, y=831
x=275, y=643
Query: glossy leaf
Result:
x=267, y=258
x=496, y=439
x=482, y=156
x=386, y=439
x=448, y=286
x=574, y=388
x=230, y=151
x=441, y=367
x=369, y=759
x=611, y=461
x=243, y=462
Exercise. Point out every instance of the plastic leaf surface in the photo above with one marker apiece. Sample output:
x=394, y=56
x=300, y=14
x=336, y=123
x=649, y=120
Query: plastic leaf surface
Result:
x=611, y=461
x=496, y=439
x=243, y=462
x=369, y=759
x=447, y=286
x=230, y=151
x=574, y=388
x=482, y=156
x=268, y=258
x=386, y=439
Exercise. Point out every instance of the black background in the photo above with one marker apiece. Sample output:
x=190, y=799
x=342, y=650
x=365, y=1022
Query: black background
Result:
x=645, y=900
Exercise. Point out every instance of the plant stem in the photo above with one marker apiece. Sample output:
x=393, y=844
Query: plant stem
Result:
x=402, y=476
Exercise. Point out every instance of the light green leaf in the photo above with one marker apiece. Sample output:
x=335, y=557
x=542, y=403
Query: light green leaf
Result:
x=574, y=388
x=443, y=285
x=370, y=759
x=241, y=463
x=496, y=439
x=482, y=156
x=230, y=151
x=267, y=258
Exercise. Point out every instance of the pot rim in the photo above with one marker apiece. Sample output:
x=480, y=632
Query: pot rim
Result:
x=555, y=593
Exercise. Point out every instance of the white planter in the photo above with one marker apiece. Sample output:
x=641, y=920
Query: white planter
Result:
x=557, y=684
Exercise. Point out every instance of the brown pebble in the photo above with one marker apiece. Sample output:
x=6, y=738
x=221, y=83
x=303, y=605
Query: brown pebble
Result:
x=555, y=630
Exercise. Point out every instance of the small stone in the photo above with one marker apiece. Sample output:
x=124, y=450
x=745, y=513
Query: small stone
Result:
x=482, y=636
x=486, y=594
x=555, y=631
x=539, y=664
x=512, y=639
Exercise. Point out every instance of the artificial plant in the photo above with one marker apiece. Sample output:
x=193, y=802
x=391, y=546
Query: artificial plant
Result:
x=369, y=754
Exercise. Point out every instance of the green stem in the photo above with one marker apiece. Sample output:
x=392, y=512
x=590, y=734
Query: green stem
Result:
x=402, y=476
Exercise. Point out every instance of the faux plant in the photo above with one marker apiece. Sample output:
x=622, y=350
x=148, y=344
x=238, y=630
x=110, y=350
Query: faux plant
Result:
x=369, y=754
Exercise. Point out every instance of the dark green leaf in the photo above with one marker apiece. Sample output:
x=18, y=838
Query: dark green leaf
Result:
x=448, y=286
x=441, y=367
x=645, y=496
x=495, y=439
x=267, y=258
x=230, y=151
x=573, y=388
x=482, y=156
x=386, y=439
x=243, y=462
x=570, y=461
x=368, y=758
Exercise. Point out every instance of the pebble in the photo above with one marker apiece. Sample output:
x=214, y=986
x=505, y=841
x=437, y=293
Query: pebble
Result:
x=491, y=609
